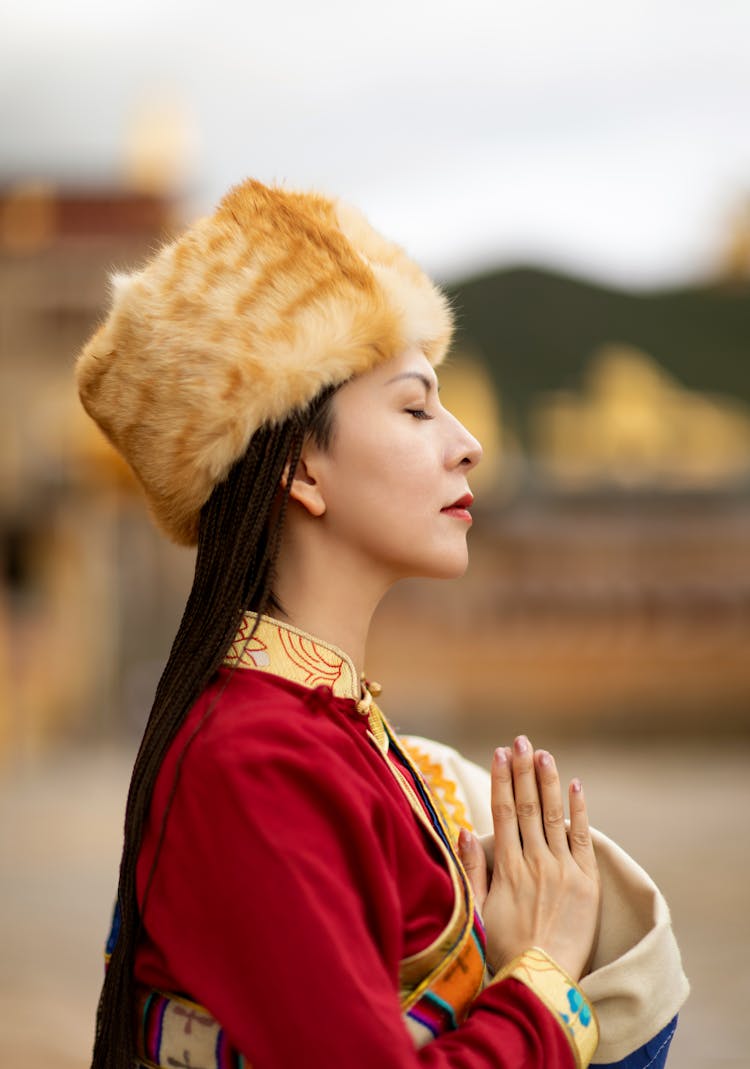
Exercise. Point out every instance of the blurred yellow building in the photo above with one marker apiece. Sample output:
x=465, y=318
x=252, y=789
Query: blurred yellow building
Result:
x=634, y=425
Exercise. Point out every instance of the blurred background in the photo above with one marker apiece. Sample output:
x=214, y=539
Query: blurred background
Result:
x=578, y=177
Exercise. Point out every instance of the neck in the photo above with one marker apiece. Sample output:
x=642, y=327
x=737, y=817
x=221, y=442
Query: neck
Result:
x=329, y=596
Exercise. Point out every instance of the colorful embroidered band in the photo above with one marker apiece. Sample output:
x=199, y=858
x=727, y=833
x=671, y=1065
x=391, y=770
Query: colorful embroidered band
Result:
x=175, y=1032
x=562, y=996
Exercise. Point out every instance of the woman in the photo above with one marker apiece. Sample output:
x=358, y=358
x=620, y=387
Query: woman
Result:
x=291, y=890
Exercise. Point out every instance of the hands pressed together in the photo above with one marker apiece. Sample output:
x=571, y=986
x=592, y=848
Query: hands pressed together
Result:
x=543, y=888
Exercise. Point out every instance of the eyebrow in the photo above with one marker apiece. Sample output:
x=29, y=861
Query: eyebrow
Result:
x=428, y=384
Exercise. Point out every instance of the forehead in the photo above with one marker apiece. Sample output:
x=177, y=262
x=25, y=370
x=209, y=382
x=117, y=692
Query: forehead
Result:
x=375, y=386
x=411, y=365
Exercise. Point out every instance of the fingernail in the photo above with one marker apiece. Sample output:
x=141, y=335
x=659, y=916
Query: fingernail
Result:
x=464, y=841
x=522, y=744
x=576, y=786
x=544, y=759
x=501, y=756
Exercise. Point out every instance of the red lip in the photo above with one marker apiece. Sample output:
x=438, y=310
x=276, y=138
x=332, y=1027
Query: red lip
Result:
x=462, y=503
x=460, y=508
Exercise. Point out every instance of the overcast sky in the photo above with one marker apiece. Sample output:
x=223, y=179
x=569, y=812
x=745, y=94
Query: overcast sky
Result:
x=611, y=138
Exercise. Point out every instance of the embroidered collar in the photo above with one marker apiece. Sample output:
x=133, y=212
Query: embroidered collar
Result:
x=286, y=651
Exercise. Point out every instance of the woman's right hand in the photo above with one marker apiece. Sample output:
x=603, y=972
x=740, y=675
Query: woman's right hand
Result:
x=544, y=887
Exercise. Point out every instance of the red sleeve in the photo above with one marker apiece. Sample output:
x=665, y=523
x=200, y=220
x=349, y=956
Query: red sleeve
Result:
x=274, y=906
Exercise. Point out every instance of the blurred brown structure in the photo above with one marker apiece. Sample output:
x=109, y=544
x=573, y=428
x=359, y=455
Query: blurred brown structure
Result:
x=606, y=591
x=582, y=616
x=70, y=569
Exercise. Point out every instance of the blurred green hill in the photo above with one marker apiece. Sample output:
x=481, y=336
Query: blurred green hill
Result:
x=538, y=329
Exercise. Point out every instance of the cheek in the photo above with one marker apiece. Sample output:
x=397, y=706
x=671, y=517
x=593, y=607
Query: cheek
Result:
x=386, y=467
x=407, y=474
x=412, y=460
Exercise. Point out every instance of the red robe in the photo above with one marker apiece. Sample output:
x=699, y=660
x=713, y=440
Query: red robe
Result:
x=292, y=881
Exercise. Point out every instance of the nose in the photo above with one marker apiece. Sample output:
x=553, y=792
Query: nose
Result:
x=466, y=451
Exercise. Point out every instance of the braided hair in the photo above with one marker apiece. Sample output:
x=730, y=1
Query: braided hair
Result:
x=238, y=544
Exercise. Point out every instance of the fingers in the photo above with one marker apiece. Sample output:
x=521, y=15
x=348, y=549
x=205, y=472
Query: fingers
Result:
x=581, y=846
x=528, y=810
x=553, y=812
x=475, y=864
x=505, y=822
x=528, y=805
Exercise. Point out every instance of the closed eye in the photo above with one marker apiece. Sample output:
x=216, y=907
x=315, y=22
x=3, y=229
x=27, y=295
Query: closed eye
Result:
x=419, y=413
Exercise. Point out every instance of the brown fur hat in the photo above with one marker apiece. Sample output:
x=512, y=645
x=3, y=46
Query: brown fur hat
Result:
x=239, y=322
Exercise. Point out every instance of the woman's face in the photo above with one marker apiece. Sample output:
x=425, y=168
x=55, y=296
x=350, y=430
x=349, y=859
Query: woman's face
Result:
x=397, y=463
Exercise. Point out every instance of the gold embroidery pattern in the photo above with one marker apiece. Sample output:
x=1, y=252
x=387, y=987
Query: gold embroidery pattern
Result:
x=286, y=651
x=250, y=653
x=562, y=996
x=443, y=790
x=419, y=970
x=308, y=656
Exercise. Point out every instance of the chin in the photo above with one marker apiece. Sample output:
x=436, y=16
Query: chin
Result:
x=439, y=562
x=457, y=572
x=449, y=567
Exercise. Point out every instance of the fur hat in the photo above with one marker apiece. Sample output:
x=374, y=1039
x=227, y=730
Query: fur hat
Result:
x=238, y=323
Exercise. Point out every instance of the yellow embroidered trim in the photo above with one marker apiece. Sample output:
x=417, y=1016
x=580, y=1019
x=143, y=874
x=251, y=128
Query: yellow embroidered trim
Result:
x=562, y=996
x=287, y=651
x=284, y=650
x=418, y=971
x=367, y=707
x=442, y=787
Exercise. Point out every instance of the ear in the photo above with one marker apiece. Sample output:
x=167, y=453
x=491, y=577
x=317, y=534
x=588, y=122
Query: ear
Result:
x=305, y=488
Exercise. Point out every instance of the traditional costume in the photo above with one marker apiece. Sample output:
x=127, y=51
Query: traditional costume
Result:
x=308, y=906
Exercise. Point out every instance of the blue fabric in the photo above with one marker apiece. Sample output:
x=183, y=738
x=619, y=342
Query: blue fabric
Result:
x=652, y=1055
x=114, y=931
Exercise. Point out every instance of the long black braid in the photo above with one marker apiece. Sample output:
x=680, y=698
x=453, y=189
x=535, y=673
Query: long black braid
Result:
x=238, y=544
